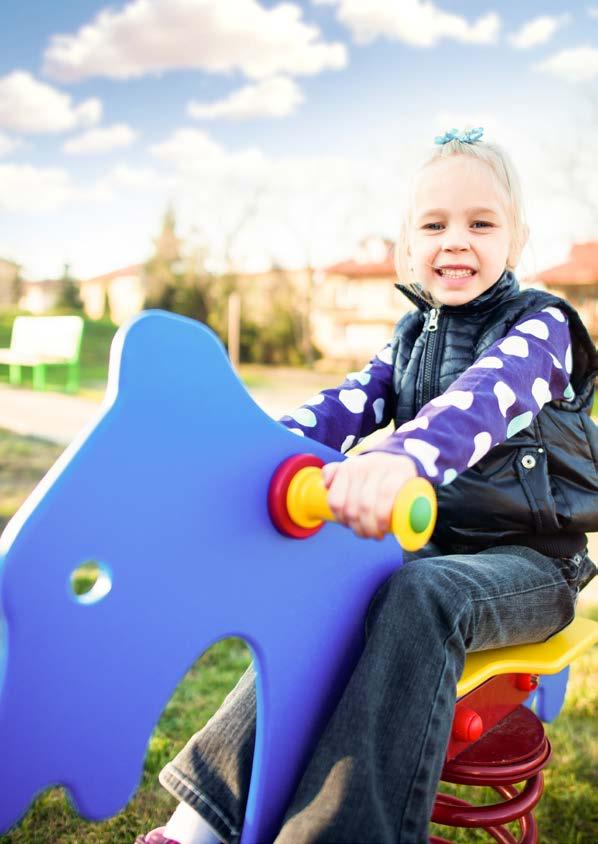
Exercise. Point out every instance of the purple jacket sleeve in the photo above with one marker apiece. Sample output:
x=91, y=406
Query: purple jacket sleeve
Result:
x=343, y=416
x=499, y=395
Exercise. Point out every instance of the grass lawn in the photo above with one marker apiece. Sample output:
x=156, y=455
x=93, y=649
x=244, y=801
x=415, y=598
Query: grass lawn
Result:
x=568, y=813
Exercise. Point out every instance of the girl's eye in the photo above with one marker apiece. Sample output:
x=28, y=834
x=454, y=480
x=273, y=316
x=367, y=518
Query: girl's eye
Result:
x=475, y=223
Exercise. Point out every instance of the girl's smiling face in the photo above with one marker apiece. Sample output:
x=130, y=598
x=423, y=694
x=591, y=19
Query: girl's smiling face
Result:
x=460, y=238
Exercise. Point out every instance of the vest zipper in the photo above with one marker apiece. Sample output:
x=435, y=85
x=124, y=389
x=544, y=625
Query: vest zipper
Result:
x=431, y=336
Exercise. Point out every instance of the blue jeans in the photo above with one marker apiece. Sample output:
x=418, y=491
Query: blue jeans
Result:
x=374, y=773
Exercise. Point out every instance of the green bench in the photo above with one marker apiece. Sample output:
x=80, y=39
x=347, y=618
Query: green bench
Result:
x=40, y=342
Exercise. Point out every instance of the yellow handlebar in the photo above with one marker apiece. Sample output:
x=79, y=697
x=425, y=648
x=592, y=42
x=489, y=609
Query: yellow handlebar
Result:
x=413, y=513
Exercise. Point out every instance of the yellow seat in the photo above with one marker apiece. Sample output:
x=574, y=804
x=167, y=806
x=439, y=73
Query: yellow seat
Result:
x=542, y=658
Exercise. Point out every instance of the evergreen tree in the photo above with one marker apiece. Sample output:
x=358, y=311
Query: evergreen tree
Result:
x=69, y=298
x=175, y=284
x=16, y=288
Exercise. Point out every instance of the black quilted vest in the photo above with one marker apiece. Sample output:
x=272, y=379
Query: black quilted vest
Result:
x=540, y=487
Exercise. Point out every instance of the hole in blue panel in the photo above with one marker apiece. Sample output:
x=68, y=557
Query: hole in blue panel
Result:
x=90, y=582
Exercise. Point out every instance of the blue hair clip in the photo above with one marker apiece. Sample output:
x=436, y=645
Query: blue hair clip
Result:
x=469, y=136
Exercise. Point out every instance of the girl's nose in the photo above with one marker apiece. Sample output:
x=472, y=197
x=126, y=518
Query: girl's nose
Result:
x=455, y=240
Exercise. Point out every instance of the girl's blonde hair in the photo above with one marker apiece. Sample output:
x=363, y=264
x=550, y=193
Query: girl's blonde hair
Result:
x=507, y=180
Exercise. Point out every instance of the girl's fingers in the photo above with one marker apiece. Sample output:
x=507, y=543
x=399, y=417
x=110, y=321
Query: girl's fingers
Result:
x=337, y=492
x=387, y=493
x=360, y=501
x=344, y=496
x=378, y=496
x=370, y=504
x=362, y=491
x=329, y=470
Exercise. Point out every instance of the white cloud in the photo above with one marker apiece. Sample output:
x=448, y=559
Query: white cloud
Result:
x=287, y=209
x=193, y=151
x=101, y=140
x=138, y=178
x=7, y=144
x=27, y=105
x=578, y=64
x=37, y=190
x=538, y=31
x=152, y=36
x=417, y=22
x=27, y=188
x=274, y=97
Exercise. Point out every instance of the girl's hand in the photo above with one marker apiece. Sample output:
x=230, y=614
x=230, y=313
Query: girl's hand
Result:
x=362, y=490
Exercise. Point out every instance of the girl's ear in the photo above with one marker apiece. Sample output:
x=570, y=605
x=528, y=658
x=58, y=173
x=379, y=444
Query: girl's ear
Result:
x=515, y=253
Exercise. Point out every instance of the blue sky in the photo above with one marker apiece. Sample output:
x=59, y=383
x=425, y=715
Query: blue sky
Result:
x=279, y=130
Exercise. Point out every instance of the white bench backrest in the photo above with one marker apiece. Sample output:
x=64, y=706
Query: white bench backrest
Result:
x=55, y=336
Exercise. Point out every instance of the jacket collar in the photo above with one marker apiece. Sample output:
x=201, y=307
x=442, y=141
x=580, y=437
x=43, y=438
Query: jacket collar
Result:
x=505, y=288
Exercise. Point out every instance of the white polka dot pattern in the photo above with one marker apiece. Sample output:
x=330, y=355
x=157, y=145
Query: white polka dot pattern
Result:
x=569, y=393
x=541, y=392
x=363, y=377
x=449, y=477
x=420, y=422
x=555, y=313
x=385, y=355
x=488, y=363
x=518, y=423
x=463, y=399
x=505, y=395
x=482, y=443
x=353, y=400
x=516, y=346
x=297, y=431
x=425, y=452
x=493, y=400
x=535, y=327
x=304, y=416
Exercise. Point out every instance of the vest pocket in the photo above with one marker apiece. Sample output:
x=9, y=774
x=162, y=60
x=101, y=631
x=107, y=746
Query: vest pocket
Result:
x=532, y=470
x=572, y=443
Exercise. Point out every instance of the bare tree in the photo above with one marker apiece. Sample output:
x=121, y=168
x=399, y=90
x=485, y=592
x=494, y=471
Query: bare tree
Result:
x=573, y=160
x=307, y=234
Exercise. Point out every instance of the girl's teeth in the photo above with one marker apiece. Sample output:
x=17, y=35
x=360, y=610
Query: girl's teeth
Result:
x=456, y=273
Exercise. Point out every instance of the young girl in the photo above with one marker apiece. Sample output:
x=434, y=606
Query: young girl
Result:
x=490, y=389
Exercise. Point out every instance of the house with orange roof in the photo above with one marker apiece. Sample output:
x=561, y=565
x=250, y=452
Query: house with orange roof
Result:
x=355, y=305
x=40, y=295
x=123, y=290
x=9, y=274
x=577, y=281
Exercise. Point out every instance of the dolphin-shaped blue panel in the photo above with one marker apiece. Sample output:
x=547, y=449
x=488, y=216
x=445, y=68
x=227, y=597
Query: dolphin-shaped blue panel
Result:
x=168, y=492
x=549, y=697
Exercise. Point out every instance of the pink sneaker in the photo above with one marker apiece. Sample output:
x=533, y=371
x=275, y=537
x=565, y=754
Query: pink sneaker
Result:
x=156, y=836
